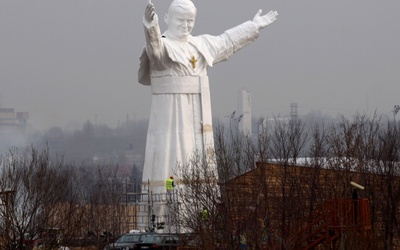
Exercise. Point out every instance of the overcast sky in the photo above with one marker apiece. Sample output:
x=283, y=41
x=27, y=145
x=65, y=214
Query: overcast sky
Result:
x=69, y=61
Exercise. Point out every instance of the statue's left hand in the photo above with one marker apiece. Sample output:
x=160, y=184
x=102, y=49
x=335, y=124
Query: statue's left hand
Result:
x=265, y=20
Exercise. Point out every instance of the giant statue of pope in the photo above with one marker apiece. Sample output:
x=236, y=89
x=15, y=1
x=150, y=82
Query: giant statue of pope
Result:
x=175, y=65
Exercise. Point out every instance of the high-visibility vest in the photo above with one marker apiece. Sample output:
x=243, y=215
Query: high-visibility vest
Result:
x=169, y=183
x=204, y=214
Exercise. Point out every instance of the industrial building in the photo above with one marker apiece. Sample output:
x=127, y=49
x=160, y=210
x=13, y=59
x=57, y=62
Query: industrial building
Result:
x=11, y=119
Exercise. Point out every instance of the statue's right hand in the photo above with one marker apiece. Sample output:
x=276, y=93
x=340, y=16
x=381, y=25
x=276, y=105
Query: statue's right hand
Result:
x=149, y=13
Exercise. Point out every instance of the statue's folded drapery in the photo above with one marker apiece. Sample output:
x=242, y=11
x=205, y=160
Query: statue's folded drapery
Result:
x=180, y=120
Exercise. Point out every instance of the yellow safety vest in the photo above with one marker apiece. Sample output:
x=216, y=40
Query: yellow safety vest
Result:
x=204, y=214
x=169, y=184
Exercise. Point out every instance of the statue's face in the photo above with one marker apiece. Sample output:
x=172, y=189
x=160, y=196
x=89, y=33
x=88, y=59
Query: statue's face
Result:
x=180, y=22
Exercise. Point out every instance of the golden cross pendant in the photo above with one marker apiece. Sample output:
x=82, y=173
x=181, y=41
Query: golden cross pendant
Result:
x=193, y=61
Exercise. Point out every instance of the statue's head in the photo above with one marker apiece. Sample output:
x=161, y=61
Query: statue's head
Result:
x=180, y=19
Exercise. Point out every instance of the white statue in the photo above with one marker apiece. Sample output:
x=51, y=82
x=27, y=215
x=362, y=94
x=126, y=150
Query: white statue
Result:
x=175, y=65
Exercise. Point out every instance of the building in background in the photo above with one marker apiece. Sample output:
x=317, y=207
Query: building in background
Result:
x=13, y=128
x=244, y=112
x=269, y=124
x=11, y=119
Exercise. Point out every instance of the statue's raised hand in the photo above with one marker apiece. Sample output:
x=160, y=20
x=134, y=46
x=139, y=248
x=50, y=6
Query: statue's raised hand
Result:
x=265, y=20
x=149, y=14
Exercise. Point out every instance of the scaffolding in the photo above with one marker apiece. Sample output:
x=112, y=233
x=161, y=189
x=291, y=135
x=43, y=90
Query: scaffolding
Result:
x=154, y=211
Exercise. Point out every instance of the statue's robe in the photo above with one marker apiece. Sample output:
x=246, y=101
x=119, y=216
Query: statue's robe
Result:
x=180, y=121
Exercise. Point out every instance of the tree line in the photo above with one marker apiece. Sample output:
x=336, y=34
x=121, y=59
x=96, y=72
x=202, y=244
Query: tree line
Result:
x=44, y=200
x=40, y=191
x=267, y=210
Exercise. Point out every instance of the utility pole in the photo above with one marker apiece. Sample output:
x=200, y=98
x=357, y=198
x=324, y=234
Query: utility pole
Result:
x=232, y=117
x=396, y=110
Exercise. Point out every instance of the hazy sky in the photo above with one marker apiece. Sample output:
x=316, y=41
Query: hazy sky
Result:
x=69, y=61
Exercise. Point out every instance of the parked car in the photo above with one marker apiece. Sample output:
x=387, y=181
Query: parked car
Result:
x=160, y=241
x=127, y=241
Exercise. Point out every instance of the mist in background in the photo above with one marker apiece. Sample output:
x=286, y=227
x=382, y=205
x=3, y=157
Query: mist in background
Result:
x=70, y=62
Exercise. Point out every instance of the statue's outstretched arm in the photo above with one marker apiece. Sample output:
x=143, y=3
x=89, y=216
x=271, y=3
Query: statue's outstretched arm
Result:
x=154, y=48
x=265, y=20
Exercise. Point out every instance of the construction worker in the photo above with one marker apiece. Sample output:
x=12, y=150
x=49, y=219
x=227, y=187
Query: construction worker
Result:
x=204, y=218
x=169, y=184
x=204, y=214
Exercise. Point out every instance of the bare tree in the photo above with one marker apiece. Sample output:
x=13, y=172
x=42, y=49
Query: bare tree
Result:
x=104, y=205
x=288, y=140
x=388, y=168
x=243, y=209
x=33, y=187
